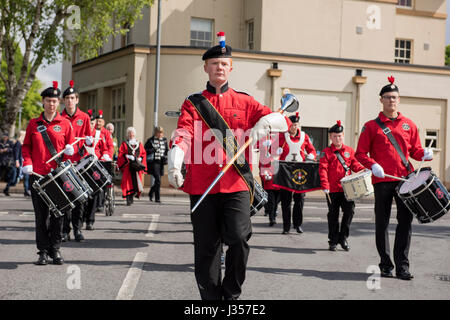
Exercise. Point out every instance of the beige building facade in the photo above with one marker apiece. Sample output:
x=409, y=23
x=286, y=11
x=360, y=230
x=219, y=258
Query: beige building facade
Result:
x=334, y=55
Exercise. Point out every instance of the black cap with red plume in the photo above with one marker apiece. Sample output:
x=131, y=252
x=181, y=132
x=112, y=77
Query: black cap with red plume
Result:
x=295, y=118
x=70, y=89
x=51, y=92
x=337, y=128
x=91, y=114
x=389, y=87
x=100, y=114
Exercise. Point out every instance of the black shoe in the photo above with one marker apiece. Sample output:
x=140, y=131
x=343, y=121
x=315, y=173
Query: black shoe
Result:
x=65, y=237
x=78, y=236
x=150, y=198
x=42, y=260
x=285, y=232
x=332, y=247
x=158, y=201
x=271, y=223
x=344, y=245
x=404, y=275
x=27, y=194
x=89, y=226
x=386, y=273
x=57, y=258
x=299, y=229
x=6, y=192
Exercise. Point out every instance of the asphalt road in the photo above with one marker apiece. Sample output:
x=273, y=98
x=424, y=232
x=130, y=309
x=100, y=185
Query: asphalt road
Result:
x=145, y=252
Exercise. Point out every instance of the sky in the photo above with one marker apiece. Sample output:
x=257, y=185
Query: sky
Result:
x=47, y=74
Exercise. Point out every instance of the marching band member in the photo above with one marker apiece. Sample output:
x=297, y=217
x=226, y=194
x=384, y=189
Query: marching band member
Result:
x=266, y=172
x=46, y=130
x=224, y=214
x=295, y=145
x=132, y=161
x=376, y=152
x=336, y=162
x=81, y=128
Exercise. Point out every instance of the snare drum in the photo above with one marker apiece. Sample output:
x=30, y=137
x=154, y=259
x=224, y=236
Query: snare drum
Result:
x=94, y=173
x=260, y=198
x=62, y=189
x=357, y=185
x=425, y=195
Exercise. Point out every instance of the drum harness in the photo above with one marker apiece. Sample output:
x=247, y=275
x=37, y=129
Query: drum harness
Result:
x=394, y=142
x=42, y=129
x=342, y=162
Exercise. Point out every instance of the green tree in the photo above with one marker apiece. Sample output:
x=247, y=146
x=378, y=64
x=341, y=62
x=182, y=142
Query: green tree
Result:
x=447, y=55
x=48, y=29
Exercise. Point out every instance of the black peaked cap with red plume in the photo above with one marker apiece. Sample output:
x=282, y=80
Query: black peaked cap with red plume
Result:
x=70, y=90
x=51, y=92
x=337, y=128
x=391, y=87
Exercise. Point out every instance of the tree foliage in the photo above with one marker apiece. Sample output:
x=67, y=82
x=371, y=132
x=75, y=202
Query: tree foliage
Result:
x=48, y=29
x=447, y=55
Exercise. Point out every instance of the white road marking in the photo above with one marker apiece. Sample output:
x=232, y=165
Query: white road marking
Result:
x=26, y=214
x=3, y=213
x=131, y=280
x=152, y=226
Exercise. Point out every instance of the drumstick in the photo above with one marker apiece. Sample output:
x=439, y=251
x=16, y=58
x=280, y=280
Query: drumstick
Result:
x=36, y=174
x=77, y=139
x=421, y=162
x=394, y=177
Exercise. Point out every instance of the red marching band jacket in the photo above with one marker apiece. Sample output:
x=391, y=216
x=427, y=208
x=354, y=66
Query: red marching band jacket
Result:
x=80, y=122
x=34, y=149
x=103, y=146
x=205, y=157
x=375, y=147
x=331, y=170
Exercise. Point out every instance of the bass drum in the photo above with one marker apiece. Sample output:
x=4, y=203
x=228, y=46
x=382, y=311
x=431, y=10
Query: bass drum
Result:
x=424, y=195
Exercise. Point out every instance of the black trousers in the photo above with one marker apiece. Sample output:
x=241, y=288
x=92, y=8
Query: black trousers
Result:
x=74, y=216
x=92, y=204
x=338, y=201
x=297, y=211
x=156, y=170
x=273, y=198
x=384, y=193
x=48, y=227
x=221, y=218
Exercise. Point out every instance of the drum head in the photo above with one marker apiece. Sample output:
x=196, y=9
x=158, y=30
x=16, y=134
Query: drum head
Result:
x=414, y=182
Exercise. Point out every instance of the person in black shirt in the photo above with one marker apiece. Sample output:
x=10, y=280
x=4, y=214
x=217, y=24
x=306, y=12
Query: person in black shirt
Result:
x=156, y=148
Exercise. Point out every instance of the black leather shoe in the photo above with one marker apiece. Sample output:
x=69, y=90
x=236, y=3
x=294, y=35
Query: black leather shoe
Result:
x=57, y=258
x=6, y=192
x=271, y=223
x=285, y=232
x=344, y=245
x=42, y=260
x=386, y=273
x=404, y=275
x=65, y=237
x=89, y=226
x=332, y=247
x=158, y=201
x=78, y=236
x=299, y=229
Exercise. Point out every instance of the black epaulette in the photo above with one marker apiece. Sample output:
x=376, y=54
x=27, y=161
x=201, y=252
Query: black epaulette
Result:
x=241, y=92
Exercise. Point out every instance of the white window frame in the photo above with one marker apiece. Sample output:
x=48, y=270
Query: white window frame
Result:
x=398, y=49
x=201, y=24
x=405, y=6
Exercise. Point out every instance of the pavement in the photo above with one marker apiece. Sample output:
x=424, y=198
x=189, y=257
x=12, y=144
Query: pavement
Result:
x=145, y=252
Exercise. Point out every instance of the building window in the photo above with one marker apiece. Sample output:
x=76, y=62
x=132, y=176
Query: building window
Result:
x=403, y=51
x=431, y=139
x=201, y=32
x=318, y=137
x=91, y=101
x=126, y=38
x=118, y=112
x=250, y=33
x=405, y=3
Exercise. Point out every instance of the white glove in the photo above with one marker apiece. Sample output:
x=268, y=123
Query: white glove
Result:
x=267, y=143
x=428, y=154
x=69, y=150
x=130, y=157
x=140, y=159
x=106, y=157
x=326, y=191
x=175, y=158
x=89, y=140
x=377, y=170
x=273, y=122
x=27, y=169
x=310, y=157
x=267, y=176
